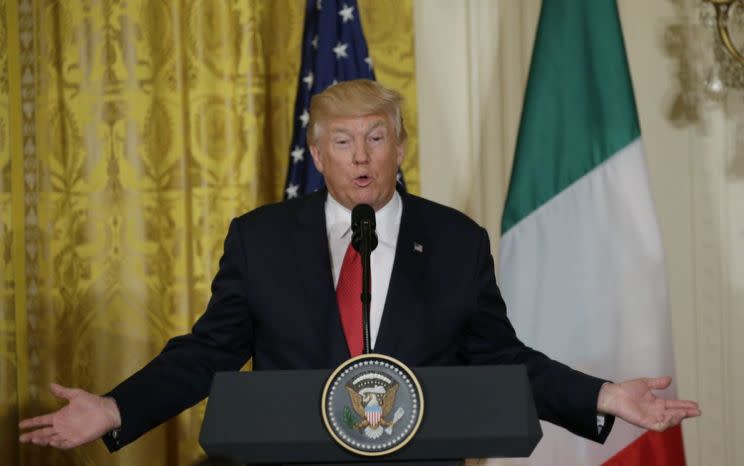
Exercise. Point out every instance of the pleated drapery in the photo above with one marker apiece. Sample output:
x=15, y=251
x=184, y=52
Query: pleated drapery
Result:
x=131, y=132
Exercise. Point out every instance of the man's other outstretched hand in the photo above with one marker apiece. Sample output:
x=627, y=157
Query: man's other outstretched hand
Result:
x=635, y=402
x=85, y=418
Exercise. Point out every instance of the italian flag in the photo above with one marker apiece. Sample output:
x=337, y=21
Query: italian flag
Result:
x=581, y=262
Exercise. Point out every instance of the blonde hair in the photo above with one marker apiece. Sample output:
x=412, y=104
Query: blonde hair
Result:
x=360, y=97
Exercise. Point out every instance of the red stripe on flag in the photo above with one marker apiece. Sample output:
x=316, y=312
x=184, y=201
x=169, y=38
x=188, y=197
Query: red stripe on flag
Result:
x=652, y=449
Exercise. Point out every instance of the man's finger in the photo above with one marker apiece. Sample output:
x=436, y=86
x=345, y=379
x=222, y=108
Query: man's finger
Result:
x=62, y=392
x=683, y=409
x=47, y=431
x=691, y=412
x=658, y=426
x=39, y=433
x=56, y=444
x=675, y=416
x=48, y=440
x=666, y=420
x=38, y=421
x=684, y=404
x=39, y=440
x=678, y=419
x=694, y=413
x=35, y=437
x=659, y=383
x=59, y=442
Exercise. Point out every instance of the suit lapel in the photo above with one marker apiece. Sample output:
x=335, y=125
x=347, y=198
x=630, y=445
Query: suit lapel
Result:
x=314, y=263
x=406, y=290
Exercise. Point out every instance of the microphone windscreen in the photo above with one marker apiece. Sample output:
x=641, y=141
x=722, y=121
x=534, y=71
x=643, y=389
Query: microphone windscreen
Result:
x=360, y=213
x=363, y=214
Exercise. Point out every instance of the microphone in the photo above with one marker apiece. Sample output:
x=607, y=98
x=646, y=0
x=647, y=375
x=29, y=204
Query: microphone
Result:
x=363, y=228
x=364, y=240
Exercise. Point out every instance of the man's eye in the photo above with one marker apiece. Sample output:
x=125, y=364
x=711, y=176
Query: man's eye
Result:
x=342, y=142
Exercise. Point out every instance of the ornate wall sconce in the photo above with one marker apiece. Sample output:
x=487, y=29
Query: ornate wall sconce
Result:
x=723, y=12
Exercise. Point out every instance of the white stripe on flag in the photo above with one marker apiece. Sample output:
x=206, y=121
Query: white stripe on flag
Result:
x=584, y=281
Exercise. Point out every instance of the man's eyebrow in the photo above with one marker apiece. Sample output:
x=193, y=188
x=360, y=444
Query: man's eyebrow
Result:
x=340, y=130
x=376, y=125
x=343, y=130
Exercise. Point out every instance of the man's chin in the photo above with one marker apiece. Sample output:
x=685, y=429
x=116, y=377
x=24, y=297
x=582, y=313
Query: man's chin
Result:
x=377, y=202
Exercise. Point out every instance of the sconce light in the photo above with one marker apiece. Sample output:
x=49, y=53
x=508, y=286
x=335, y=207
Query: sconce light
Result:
x=723, y=10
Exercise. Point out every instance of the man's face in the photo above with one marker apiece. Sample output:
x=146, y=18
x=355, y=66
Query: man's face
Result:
x=359, y=159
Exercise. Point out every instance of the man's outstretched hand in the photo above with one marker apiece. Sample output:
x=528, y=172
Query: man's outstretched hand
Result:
x=85, y=418
x=635, y=402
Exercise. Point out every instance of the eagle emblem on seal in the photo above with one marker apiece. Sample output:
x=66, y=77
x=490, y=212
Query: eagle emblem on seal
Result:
x=372, y=396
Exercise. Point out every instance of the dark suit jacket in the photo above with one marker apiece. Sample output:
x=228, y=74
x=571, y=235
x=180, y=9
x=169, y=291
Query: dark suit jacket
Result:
x=273, y=299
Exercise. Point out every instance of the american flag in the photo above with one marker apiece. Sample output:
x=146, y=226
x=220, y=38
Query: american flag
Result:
x=333, y=50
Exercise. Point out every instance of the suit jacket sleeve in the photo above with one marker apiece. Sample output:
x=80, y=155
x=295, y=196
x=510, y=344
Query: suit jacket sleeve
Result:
x=563, y=396
x=181, y=375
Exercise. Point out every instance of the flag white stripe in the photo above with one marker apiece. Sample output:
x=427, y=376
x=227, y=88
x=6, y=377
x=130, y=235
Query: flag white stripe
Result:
x=583, y=277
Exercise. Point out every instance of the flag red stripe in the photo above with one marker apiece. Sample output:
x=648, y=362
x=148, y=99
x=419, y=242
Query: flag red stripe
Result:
x=652, y=449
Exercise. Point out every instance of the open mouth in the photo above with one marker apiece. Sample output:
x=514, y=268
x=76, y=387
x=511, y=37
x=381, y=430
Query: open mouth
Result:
x=362, y=180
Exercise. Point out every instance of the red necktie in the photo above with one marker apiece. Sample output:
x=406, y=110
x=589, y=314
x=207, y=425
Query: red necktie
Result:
x=348, y=296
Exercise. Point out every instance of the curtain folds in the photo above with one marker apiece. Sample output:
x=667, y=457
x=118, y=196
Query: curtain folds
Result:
x=130, y=134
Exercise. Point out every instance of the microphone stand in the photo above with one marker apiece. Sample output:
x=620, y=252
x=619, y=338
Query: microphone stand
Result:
x=366, y=297
x=364, y=240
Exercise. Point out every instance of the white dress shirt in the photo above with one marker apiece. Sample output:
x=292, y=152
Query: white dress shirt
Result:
x=338, y=227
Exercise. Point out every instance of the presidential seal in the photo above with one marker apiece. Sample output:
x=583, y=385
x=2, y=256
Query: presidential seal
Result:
x=372, y=405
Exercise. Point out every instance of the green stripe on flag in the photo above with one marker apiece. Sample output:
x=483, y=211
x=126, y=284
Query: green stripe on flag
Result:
x=579, y=107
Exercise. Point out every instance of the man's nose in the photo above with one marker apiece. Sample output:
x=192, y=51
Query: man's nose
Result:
x=361, y=154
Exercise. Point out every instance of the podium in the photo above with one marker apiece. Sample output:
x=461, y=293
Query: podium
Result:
x=274, y=417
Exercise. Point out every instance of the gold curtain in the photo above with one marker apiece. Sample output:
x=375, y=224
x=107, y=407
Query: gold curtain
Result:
x=131, y=132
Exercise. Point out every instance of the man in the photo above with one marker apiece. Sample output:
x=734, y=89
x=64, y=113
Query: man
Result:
x=434, y=297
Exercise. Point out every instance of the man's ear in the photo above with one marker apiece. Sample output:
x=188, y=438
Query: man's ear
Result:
x=315, y=152
x=400, y=153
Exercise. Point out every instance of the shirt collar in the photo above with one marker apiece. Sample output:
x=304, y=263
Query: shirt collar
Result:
x=387, y=219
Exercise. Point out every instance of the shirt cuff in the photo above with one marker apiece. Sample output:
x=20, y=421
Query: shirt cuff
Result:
x=112, y=440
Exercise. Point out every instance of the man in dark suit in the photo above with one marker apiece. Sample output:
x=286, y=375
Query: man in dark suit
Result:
x=434, y=294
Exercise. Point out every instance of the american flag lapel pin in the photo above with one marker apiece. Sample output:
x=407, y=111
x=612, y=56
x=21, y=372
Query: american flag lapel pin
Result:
x=418, y=247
